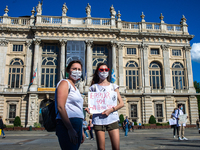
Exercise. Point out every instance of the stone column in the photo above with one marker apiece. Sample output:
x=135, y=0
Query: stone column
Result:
x=121, y=68
x=167, y=73
x=169, y=106
x=193, y=110
x=62, y=59
x=36, y=64
x=147, y=88
x=141, y=79
x=28, y=65
x=114, y=62
x=32, y=109
x=189, y=77
x=89, y=62
x=3, y=53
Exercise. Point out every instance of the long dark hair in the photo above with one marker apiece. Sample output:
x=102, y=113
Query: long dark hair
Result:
x=95, y=78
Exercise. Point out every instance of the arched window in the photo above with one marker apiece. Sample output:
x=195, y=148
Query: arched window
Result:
x=49, y=66
x=132, y=79
x=15, y=78
x=178, y=76
x=155, y=76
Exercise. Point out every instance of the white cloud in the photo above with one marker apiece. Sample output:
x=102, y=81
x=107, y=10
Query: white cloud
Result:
x=195, y=52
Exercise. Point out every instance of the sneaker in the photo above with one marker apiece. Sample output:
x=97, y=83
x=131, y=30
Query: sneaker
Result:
x=87, y=137
x=174, y=136
x=180, y=139
x=3, y=137
x=91, y=139
x=184, y=138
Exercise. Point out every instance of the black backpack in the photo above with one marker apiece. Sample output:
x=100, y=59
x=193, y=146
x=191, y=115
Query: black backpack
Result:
x=49, y=116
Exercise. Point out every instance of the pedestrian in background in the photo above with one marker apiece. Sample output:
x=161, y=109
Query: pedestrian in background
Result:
x=197, y=123
x=132, y=126
x=126, y=123
x=140, y=125
x=85, y=128
x=91, y=128
x=175, y=128
x=2, y=127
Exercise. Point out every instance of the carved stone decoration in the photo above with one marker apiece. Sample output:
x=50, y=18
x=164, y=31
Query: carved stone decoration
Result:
x=39, y=8
x=113, y=43
x=64, y=9
x=81, y=85
x=28, y=44
x=33, y=12
x=88, y=10
x=32, y=112
x=37, y=41
x=183, y=20
x=187, y=48
x=118, y=16
x=120, y=46
x=142, y=16
x=89, y=43
x=112, y=12
x=6, y=10
x=3, y=43
x=62, y=42
x=143, y=46
x=165, y=47
x=161, y=18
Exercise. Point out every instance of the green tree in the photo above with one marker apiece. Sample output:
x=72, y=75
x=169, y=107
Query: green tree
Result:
x=197, y=87
x=121, y=118
x=17, y=122
x=152, y=120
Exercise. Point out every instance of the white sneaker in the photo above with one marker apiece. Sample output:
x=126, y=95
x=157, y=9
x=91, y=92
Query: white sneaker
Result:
x=174, y=136
x=184, y=138
x=180, y=139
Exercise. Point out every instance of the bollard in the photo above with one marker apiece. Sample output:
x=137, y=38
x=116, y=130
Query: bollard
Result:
x=30, y=128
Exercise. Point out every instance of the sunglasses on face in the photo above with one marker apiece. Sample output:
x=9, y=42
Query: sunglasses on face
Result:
x=102, y=69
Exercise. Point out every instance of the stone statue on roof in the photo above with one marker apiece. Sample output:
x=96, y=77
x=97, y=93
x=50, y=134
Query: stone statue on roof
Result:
x=88, y=10
x=39, y=8
x=64, y=9
x=112, y=12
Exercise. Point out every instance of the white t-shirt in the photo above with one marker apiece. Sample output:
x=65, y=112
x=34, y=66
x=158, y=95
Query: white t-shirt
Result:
x=177, y=113
x=99, y=119
x=74, y=102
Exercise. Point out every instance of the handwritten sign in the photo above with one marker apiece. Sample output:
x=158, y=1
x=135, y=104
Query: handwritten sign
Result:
x=100, y=101
x=182, y=119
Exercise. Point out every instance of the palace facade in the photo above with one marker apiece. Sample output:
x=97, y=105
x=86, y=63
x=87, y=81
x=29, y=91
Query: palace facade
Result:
x=151, y=61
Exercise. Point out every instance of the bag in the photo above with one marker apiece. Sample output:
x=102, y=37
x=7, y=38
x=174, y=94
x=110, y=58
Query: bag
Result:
x=0, y=131
x=89, y=128
x=49, y=116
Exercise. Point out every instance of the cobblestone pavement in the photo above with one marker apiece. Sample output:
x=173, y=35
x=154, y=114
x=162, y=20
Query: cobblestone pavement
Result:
x=139, y=139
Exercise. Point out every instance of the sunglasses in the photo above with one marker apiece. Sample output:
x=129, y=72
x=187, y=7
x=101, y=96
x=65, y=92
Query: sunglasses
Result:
x=106, y=69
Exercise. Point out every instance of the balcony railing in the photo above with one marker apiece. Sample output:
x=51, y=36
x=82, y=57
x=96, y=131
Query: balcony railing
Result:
x=51, y=20
x=20, y=21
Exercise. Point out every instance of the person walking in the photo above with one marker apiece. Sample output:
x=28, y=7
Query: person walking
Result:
x=107, y=120
x=85, y=128
x=132, y=126
x=197, y=123
x=69, y=107
x=175, y=128
x=91, y=128
x=140, y=125
x=126, y=123
x=2, y=127
x=181, y=127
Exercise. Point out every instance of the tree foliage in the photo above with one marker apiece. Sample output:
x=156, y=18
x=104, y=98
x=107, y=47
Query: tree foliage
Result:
x=152, y=120
x=17, y=122
x=197, y=87
x=121, y=118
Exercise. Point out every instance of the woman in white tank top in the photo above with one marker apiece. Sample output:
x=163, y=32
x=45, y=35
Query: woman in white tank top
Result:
x=69, y=104
x=107, y=120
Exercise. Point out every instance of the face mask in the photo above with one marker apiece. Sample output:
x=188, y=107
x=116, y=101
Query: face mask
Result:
x=103, y=75
x=181, y=108
x=75, y=74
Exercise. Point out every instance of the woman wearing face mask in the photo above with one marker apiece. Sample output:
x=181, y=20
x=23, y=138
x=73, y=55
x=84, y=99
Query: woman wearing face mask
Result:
x=107, y=120
x=69, y=105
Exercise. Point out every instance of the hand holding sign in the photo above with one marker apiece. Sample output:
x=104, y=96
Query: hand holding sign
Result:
x=98, y=102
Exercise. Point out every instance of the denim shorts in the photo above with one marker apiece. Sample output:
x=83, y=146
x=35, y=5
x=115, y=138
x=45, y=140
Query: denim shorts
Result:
x=108, y=127
x=62, y=133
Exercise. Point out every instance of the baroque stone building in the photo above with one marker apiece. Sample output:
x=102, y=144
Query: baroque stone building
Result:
x=151, y=61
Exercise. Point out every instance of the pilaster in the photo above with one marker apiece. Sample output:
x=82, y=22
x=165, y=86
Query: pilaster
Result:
x=167, y=75
x=114, y=62
x=193, y=107
x=32, y=109
x=62, y=59
x=121, y=68
x=147, y=109
x=89, y=62
x=169, y=106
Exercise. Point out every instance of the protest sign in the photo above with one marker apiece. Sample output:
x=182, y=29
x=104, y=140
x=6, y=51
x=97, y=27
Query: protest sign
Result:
x=182, y=119
x=100, y=101
x=172, y=121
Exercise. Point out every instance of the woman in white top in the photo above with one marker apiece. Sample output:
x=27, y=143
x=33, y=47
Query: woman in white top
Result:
x=107, y=120
x=69, y=104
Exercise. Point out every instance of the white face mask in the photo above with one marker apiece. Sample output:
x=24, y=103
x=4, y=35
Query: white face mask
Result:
x=103, y=75
x=75, y=74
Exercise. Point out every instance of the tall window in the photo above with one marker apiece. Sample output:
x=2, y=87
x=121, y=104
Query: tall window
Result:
x=154, y=51
x=131, y=51
x=132, y=79
x=176, y=52
x=17, y=48
x=12, y=112
x=178, y=76
x=15, y=79
x=159, y=110
x=49, y=65
x=100, y=55
x=134, y=110
x=155, y=75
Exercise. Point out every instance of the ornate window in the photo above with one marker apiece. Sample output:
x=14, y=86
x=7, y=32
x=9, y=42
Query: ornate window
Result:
x=100, y=55
x=17, y=48
x=155, y=75
x=15, y=77
x=176, y=52
x=12, y=112
x=132, y=79
x=178, y=76
x=159, y=112
x=133, y=110
x=49, y=66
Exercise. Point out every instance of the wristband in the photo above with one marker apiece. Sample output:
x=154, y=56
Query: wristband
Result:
x=113, y=108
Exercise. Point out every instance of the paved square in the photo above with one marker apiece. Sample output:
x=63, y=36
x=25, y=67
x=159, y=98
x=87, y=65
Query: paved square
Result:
x=139, y=139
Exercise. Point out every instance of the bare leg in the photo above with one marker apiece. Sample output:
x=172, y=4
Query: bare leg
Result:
x=100, y=138
x=114, y=137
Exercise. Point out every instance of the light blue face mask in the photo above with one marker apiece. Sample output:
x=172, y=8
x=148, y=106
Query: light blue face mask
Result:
x=181, y=108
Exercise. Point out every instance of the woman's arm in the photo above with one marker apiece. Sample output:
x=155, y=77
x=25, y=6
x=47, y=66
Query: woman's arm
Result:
x=62, y=94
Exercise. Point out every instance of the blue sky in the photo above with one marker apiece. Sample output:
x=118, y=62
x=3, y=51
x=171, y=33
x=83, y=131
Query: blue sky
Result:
x=130, y=10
